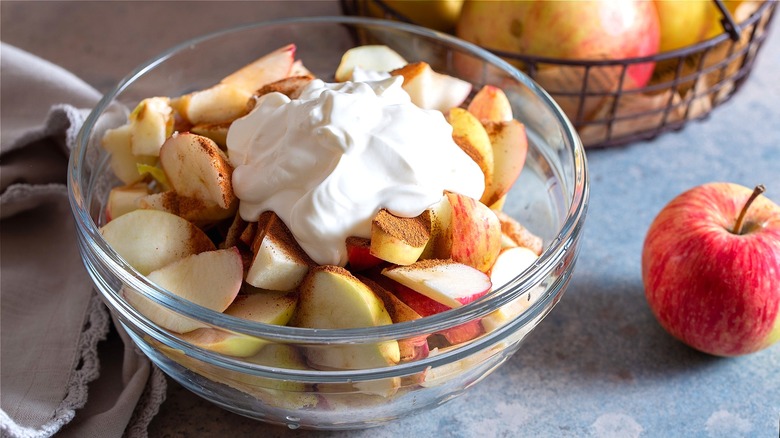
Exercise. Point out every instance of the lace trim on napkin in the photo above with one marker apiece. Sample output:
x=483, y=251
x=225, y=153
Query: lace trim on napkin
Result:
x=86, y=370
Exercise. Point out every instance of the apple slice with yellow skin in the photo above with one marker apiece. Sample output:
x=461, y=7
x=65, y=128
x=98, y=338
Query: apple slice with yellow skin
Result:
x=513, y=233
x=266, y=69
x=123, y=162
x=260, y=306
x=196, y=167
x=411, y=349
x=490, y=104
x=216, y=104
x=469, y=232
x=370, y=57
x=431, y=90
x=332, y=298
x=510, y=146
x=279, y=263
x=469, y=133
x=399, y=240
x=447, y=282
x=151, y=122
x=150, y=239
x=210, y=279
x=124, y=199
x=195, y=210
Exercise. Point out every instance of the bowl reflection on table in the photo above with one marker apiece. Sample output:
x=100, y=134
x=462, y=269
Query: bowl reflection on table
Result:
x=550, y=198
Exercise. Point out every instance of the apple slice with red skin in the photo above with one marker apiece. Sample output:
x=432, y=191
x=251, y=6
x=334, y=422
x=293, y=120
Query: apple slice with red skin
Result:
x=472, y=236
x=447, y=282
x=279, y=263
x=430, y=89
x=359, y=255
x=399, y=240
x=427, y=307
x=510, y=263
x=490, y=104
x=509, y=142
x=710, y=267
x=210, y=279
x=149, y=239
x=265, y=307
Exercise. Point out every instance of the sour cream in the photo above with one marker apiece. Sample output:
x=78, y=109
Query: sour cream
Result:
x=327, y=162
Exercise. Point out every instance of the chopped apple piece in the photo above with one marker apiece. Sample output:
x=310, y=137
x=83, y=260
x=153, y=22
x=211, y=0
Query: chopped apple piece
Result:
x=298, y=69
x=371, y=57
x=124, y=199
x=450, y=283
x=471, y=136
x=426, y=307
x=510, y=263
x=290, y=86
x=515, y=232
x=210, y=279
x=510, y=147
x=218, y=104
x=262, y=306
x=266, y=69
x=359, y=254
x=490, y=104
x=195, y=210
x=150, y=239
x=196, y=167
x=399, y=240
x=469, y=232
x=279, y=263
x=414, y=348
x=123, y=162
x=151, y=122
x=215, y=131
x=332, y=298
x=431, y=90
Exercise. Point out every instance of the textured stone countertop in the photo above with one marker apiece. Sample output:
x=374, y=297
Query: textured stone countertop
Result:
x=599, y=364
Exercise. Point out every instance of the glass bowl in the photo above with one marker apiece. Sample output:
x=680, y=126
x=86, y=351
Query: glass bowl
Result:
x=550, y=198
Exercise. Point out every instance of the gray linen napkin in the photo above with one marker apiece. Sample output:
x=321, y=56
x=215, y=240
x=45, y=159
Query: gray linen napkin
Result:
x=51, y=320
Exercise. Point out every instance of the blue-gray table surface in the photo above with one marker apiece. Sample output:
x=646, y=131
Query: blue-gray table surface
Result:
x=599, y=365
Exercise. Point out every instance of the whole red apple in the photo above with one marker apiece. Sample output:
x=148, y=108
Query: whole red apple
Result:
x=711, y=269
x=582, y=30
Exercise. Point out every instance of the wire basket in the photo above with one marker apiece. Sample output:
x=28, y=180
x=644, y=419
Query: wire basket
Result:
x=686, y=85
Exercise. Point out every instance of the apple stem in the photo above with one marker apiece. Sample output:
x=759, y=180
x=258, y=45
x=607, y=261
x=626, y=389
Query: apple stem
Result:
x=756, y=192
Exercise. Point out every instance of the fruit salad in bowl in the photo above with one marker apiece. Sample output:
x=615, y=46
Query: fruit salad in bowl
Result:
x=328, y=223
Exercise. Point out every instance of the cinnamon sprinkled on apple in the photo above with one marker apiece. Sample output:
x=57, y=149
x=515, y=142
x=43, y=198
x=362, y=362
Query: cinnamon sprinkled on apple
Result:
x=756, y=193
x=416, y=230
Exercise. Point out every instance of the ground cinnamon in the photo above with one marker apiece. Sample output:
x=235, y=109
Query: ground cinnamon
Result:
x=414, y=230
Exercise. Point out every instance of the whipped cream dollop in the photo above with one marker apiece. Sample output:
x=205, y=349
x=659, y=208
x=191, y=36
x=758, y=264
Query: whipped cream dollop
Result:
x=327, y=162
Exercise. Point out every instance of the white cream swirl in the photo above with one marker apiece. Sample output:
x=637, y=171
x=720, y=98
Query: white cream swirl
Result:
x=328, y=161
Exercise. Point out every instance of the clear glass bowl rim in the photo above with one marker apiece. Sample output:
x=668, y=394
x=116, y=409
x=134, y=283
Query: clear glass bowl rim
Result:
x=548, y=261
